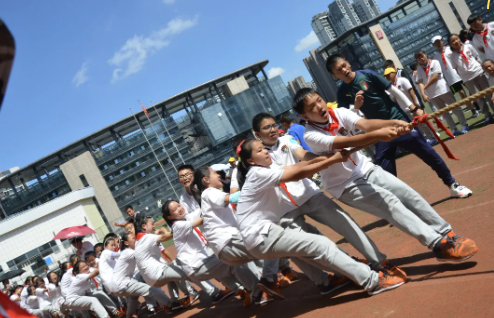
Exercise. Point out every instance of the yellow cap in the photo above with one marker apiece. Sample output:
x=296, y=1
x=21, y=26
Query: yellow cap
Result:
x=388, y=71
x=231, y=159
x=332, y=105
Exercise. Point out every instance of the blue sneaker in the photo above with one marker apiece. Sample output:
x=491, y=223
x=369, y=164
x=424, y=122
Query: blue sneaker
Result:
x=488, y=120
x=464, y=129
x=456, y=132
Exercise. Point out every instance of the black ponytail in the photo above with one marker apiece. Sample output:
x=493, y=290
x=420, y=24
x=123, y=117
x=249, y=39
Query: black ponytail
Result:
x=196, y=186
x=76, y=269
x=64, y=267
x=165, y=212
x=124, y=239
x=244, y=154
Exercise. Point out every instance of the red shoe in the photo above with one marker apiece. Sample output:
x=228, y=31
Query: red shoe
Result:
x=390, y=268
x=270, y=288
x=246, y=298
x=387, y=282
x=290, y=274
x=455, y=250
x=283, y=281
x=222, y=295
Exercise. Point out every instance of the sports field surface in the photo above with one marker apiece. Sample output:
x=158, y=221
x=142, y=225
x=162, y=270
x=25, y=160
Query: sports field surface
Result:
x=435, y=289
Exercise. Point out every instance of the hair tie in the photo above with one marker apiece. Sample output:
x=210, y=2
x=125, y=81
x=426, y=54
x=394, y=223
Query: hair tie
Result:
x=239, y=147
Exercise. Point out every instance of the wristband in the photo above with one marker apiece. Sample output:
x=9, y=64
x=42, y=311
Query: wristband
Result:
x=234, y=197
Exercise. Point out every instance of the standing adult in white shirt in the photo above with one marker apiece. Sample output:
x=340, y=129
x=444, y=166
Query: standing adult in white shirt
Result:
x=443, y=56
x=483, y=39
x=81, y=247
x=185, y=177
x=465, y=59
x=488, y=67
x=434, y=88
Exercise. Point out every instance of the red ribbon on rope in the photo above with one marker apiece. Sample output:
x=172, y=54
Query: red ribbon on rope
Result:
x=417, y=120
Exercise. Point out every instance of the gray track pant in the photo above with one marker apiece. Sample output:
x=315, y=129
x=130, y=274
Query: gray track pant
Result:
x=96, y=302
x=444, y=100
x=476, y=85
x=317, y=250
x=170, y=273
x=322, y=209
x=385, y=196
x=247, y=274
x=134, y=289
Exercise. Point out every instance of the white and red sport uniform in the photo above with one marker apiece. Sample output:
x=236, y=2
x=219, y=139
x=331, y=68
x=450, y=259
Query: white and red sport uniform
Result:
x=107, y=261
x=484, y=40
x=16, y=298
x=147, y=254
x=55, y=293
x=66, y=281
x=444, y=60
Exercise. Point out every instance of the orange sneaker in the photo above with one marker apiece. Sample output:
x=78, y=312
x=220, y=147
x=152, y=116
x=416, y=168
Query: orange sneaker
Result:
x=386, y=282
x=119, y=313
x=390, y=268
x=185, y=302
x=246, y=298
x=270, y=288
x=334, y=282
x=283, y=281
x=290, y=274
x=455, y=250
x=222, y=295
x=263, y=298
x=193, y=298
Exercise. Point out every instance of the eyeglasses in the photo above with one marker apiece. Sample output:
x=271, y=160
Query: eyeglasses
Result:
x=269, y=127
x=183, y=176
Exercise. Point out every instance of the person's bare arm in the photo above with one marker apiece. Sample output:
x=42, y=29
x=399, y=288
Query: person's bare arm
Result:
x=432, y=80
x=168, y=256
x=422, y=91
x=121, y=223
x=199, y=221
x=164, y=235
x=303, y=154
x=417, y=111
x=233, y=190
x=160, y=222
x=93, y=274
x=305, y=169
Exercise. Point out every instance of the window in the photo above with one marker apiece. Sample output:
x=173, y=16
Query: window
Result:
x=142, y=147
x=116, y=188
x=127, y=182
x=110, y=177
x=105, y=167
x=143, y=174
x=84, y=181
x=121, y=171
x=153, y=168
x=137, y=163
x=132, y=152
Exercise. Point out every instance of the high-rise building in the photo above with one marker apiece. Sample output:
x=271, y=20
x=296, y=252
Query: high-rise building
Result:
x=403, y=30
x=366, y=9
x=342, y=17
x=324, y=82
x=133, y=161
x=322, y=28
x=296, y=84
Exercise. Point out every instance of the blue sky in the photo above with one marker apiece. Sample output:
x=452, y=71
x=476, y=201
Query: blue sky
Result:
x=80, y=65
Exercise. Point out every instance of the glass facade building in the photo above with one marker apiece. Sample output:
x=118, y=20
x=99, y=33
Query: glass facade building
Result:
x=137, y=157
x=409, y=27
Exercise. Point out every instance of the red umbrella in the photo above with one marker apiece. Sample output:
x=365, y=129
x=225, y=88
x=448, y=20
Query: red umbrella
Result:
x=74, y=231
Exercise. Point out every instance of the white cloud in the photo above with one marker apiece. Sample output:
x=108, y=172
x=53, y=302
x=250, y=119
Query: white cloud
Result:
x=81, y=76
x=169, y=1
x=310, y=40
x=132, y=55
x=275, y=71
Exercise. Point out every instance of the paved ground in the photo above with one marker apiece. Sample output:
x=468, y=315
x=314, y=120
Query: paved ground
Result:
x=436, y=289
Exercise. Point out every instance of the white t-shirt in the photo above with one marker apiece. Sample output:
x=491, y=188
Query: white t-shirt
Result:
x=191, y=249
x=32, y=302
x=124, y=270
x=449, y=73
x=43, y=298
x=440, y=87
x=404, y=85
x=16, y=298
x=470, y=70
x=234, y=179
x=86, y=247
x=230, y=172
x=147, y=254
x=24, y=296
x=97, y=280
x=220, y=222
x=337, y=177
x=283, y=154
x=55, y=295
x=107, y=261
x=259, y=203
x=478, y=41
x=65, y=282
x=79, y=287
x=188, y=202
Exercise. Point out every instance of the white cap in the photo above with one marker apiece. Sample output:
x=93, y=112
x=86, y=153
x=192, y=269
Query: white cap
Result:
x=437, y=37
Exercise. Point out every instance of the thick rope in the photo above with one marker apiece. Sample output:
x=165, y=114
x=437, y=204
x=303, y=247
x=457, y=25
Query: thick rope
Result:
x=440, y=112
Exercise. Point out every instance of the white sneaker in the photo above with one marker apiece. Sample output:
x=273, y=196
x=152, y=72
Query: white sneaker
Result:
x=475, y=113
x=459, y=191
